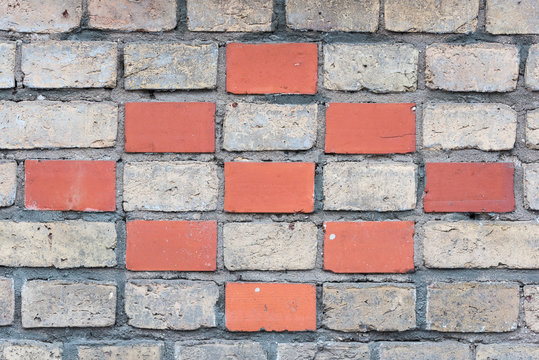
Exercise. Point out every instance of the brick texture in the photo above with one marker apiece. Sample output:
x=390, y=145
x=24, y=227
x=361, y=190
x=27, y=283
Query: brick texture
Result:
x=7, y=65
x=531, y=186
x=8, y=183
x=30, y=350
x=512, y=17
x=241, y=350
x=149, y=351
x=532, y=129
x=531, y=307
x=507, y=351
x=446, y=350
x=532, y=68
x=7, y=302
x=330, y=350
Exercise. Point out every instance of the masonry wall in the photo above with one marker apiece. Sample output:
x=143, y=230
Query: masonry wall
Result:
x=269, y=179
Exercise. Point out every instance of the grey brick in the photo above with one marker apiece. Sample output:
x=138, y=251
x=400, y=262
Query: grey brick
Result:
x=140, y=351
x=513, y=351
x=531, y=190
x=323, y=351
x=532, y=129
x=531, y=74
x=444, y=350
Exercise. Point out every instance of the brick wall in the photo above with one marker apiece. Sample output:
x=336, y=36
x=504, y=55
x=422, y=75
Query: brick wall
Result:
x=299, y=179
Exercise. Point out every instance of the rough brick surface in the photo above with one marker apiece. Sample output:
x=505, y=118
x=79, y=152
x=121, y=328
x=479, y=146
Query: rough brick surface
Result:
x=270, y=246
x=532, y=68
x=258, y=127
x=70, y=185
x=144, y=351
x=231, y=15
x=464, y=187
x=369, y=246
x=512, y=17
x=531, y=307
x=370, y=128
x=532, y=129
x=145, y=15
x=507, y=352
x=270, y=307
x=170, y=66
x=431, y=16
x=369, y=307
x=369, y=186
x=7, y=302
x=531, y=185
x=56, y=124
x=40, y=16
x=237, y=350
x=30, y=350
x=69, y=64
x=178, y=305
x=470, y=244
x=475, y=67
x=445, y=350
x=8, y=183
x=168, y=186
x=453, y=126
x=379, y=68
x=68, y=304
x=67, y=244
x=7, y=65
x=327, y=351
x=171, y=245
x=361, y=16
x=472, y=307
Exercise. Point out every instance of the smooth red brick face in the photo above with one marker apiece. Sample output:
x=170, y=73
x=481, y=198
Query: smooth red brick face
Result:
x=271, y=68
x=70, y=185
x=269, y=187
x=171, y=245
x=369, y=247
x=370, y=128
x=170, y=127
x=469, y=187
x=270, y=307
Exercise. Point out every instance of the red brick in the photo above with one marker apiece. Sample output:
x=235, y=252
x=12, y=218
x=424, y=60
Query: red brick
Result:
x=369, y=247
x=370, y=128
x=171, y=245
x=269, y=187
x=170, y=127
x=469, y=187
x=271, y=68
x=270, y=307
x=70, y=185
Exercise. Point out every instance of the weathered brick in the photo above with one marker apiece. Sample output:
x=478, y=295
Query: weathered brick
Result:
x=469, y=187
x=531, y=307
x=512, y=17
x=169, y=186
x=40, y=16
x=472, y=307
x=431, y=16
x=270, y=246
x=145, y=15
x=474, y=67
x=325, y=351
x=270, y=307
x=369, y=307
x=379, y=68
x=69, y=64
x=444, y=350
x=258, y=127
x=68, y=304
x=511, y=351
x=65, y=244
x=288, y=68
x=531, y=185
x=231, y=15
x=470, y=244
x=369, y=186
x=174, y=304
x=369, y=246
x=266, y=187
x=7, y=302
x=186, y=127
x=222, y=350
x=57, y=124
x=452, y=126
x=8, y=183
x=30, y=350
x=170, y=66
x=145, y=351
x=340, y=15
x=532, y=68
x=78, y=185
x=532, y=129
x=7, y=65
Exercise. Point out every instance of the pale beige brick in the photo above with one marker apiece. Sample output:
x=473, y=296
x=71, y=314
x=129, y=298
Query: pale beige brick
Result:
x=531, y=189
x=512, y=17
x=30, y=350
x=222, y=350
x=531, y=74
x=444, y=350
x=323, y=351
x=7, y=302
x=532, y=129
x=7, y=65
x=513, y=351
x=531, y=307
x=8, y=183
x=144, y=351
